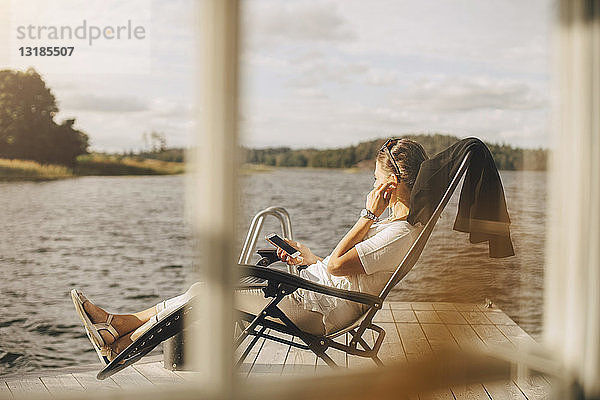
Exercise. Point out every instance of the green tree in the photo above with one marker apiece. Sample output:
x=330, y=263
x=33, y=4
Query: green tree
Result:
x=27, y=127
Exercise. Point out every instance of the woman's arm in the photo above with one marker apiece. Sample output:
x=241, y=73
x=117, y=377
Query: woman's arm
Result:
x=344, y=259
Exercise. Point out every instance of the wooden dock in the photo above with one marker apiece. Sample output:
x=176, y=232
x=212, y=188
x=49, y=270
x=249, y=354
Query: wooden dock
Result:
x=412, y=330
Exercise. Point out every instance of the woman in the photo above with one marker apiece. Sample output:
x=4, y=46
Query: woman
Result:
x=362, y=261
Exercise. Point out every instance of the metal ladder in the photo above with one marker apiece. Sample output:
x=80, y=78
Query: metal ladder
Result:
x=256, y=226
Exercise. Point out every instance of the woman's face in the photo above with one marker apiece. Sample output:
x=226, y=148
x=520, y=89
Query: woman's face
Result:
x=382, y=176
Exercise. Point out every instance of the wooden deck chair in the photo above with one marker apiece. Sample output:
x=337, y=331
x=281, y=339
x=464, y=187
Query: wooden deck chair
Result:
x=276, y=285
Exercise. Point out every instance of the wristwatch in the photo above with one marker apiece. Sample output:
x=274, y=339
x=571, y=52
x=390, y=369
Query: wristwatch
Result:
x=368, y=214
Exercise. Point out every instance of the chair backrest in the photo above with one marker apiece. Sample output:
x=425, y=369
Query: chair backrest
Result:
x=413, y=254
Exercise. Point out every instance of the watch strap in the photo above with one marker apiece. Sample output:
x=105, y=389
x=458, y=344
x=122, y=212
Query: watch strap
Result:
x=368, y=214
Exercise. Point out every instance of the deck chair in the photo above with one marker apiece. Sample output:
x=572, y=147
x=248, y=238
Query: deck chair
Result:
x=277, y=284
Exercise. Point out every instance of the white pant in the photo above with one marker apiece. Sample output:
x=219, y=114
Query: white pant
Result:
x=249, y=300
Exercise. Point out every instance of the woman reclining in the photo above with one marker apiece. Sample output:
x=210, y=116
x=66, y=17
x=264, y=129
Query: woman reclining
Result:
x=362, y=261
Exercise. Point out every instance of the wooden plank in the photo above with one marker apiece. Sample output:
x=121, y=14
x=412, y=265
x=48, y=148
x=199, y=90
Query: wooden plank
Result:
x=451, y=317
x=190, y=376
x=499, y=318
x=391, y=349
x=476, y=317
x=400, y=305
x=22, y=387
x=65, y=383
x=421, y=306
x=483, y=307
x=90, y=383
x=273, y=353
x=444, y=306
x=248, y=363
x=517, y=335
x=391, y=332
x=403, y=315
x=358, y=362
x=428, y=317
x=413, y=340
x=534, y=387
x=491, y=335
x=130, y=378
x=470, y=392
x=466, y=307
x=299, y=361
x=440, y=394
x=465, y=336
x=384, y=315
x=158, y=375
x=439, y=337
x=4, y=391
x=501, y=390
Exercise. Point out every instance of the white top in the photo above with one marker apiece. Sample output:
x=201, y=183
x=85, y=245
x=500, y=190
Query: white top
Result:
x=380, y=253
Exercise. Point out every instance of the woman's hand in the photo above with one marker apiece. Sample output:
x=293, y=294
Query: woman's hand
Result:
x=306, y=256
x=379, y=198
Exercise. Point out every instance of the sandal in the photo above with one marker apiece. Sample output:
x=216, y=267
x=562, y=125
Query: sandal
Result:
x=93, y=330
x=108, y=353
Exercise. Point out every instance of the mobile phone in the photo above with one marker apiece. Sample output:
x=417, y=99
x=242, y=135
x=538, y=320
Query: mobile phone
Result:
x=277, y=241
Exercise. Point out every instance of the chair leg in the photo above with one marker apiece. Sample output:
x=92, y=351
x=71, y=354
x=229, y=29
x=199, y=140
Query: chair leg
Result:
x=328, y=360
x=378, y=361
x=259, y=317
x=364, y=344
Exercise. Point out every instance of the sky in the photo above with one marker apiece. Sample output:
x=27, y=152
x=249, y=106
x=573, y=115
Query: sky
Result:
x=327, y=73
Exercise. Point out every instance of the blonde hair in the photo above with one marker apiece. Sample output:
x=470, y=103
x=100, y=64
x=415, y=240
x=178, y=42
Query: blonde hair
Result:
x=408, y=156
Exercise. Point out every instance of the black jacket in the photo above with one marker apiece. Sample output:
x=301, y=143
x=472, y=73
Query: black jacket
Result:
x=482, y=206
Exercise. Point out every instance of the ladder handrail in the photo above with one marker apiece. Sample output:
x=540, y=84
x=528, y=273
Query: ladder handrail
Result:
x=256, y=226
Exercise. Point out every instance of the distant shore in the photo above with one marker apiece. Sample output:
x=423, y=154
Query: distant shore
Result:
x=101, y=165
x=90, y=165
x=25, y=170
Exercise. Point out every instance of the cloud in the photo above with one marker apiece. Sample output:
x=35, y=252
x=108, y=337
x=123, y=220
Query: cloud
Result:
x=336, y=72
x=512, y=38
x=276, y=23
x=302, y=122
x=313, y=69
x=454, y=94
x=124, y=131
x=313, y=92
x=104, y=103
x=381, y=77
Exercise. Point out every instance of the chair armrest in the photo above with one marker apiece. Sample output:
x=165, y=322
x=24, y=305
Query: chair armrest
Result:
x=297, y=282
x=268, y=255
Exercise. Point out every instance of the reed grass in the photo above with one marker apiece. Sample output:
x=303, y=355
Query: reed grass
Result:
x=101, y=164
x=31, y=170
x=249, y=169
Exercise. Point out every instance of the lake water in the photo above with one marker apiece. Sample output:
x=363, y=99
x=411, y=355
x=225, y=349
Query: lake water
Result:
x=125, y=243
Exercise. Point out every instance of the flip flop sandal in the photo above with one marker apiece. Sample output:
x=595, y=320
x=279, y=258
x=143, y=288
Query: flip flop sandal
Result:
x=93, y=330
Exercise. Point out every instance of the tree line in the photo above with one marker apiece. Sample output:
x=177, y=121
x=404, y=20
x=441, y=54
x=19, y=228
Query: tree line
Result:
x=363, y=154
x=27, y=127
